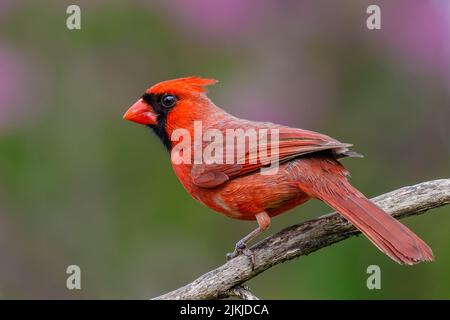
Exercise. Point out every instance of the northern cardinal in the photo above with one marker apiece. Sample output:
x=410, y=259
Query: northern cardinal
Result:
x=308, y=168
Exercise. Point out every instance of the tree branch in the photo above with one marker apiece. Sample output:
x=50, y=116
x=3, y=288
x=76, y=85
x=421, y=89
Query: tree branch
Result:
x=304, y=238
x=241, y=292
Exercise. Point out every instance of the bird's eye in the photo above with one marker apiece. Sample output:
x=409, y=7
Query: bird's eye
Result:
x=168, y=100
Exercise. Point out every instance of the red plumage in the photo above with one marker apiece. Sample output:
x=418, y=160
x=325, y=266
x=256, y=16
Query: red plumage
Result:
x=309, y=168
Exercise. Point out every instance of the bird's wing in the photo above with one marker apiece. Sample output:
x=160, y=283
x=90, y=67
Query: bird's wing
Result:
x=292, y=143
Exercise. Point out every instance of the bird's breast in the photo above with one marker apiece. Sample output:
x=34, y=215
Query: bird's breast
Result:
x=245, y=196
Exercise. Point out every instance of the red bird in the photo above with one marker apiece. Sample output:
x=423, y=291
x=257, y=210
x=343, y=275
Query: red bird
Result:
x=308, y=168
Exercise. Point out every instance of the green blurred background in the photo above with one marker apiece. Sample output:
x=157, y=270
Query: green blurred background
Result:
x=78, y=185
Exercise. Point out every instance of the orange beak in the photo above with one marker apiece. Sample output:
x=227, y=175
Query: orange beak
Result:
x=141, y=112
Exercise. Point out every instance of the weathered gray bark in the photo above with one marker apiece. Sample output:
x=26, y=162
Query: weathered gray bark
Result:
x=304, y=238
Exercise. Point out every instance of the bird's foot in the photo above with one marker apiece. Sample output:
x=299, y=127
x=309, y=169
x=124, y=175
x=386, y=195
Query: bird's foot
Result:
x=241, y=248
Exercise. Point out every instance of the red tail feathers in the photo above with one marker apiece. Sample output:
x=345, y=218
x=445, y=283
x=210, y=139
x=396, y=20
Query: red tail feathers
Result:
x=385, y=232
x=388, y=234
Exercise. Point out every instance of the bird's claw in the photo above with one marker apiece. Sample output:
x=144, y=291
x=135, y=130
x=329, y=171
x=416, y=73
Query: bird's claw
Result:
x=231, y=255
x=239, y=249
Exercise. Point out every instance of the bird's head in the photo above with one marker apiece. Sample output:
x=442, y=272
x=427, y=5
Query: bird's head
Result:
x=171, y=104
